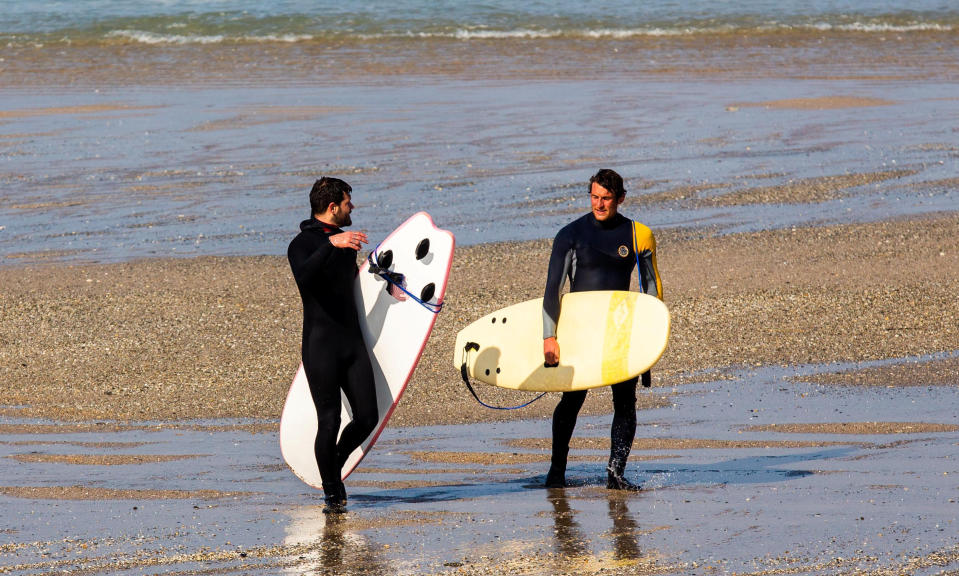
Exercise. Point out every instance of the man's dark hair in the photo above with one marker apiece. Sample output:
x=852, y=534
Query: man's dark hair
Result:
x=326, y=190
x=609, y=180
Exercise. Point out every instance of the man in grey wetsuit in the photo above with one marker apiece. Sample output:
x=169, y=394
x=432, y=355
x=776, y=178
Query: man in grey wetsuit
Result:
x=597, y=252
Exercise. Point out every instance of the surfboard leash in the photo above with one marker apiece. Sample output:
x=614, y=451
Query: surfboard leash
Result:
x=396, y=279
x=472, y=347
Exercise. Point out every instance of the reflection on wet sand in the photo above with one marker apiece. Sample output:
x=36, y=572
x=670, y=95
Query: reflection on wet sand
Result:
x=735, y=500
x=344, y=552
x=570, y=543
x=331, y=544
x=625, y=529
x=573, y=547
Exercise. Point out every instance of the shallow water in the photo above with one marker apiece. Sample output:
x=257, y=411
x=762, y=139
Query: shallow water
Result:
x=220, y=21
x=183, y=128
x=128, y=173
x=873, y=500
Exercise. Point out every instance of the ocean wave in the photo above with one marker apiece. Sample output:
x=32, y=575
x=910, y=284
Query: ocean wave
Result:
x=145, y=37
x=883, y=27
x=582, y=33
x=158, y=38
x=627, y=33
x=178, y=34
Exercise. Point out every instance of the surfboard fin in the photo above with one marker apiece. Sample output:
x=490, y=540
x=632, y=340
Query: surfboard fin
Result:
x=381, y=268
x=423, y=248
x=383, y=260
x=396, y=280
x=428, y=291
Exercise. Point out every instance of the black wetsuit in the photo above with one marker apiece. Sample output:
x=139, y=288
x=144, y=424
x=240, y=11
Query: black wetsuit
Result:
x=597, y=255
x=334, y=356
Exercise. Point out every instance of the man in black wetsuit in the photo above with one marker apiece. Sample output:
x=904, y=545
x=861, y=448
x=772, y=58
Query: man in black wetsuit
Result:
x=597, y=252
x=323, y=260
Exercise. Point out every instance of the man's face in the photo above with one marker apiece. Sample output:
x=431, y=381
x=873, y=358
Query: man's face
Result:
x=604, y=203
x=341, y=212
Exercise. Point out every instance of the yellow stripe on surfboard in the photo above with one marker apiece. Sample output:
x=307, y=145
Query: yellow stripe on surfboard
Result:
x=616, y=340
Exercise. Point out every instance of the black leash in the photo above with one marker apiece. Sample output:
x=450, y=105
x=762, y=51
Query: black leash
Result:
x=474, y=347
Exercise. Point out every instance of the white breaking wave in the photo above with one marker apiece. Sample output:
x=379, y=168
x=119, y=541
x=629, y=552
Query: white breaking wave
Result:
x=280, y=38
x=154, y=38
x=861, y=27
x=582, y=33
x=599, y=33
x=614, y=33
x=146, y=37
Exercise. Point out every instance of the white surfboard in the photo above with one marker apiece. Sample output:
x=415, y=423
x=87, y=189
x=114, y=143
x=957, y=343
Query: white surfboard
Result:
x=605, y=337
x=395, y=333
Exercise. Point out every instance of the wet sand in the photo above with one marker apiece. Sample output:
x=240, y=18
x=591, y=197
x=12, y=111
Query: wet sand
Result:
x=172, y=340
x=802, y=420
x=91, y=493
x=759, y=474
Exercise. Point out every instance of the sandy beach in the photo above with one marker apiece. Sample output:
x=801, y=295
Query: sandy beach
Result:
x=798, y=166
x=810, y=372
x=185, y=339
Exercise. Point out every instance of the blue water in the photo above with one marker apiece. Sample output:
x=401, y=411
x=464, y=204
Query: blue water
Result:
x=212, y=20
x=183, y=180
x=188, y=128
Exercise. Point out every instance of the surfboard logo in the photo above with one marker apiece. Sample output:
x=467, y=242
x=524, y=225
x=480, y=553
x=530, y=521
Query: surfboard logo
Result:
x=623, y=251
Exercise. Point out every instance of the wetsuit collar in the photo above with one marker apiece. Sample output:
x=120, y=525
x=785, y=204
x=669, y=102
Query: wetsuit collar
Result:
x=314, y=224
x=607, y=224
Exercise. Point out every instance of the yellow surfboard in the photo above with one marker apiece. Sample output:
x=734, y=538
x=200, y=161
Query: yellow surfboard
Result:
x=605, y=337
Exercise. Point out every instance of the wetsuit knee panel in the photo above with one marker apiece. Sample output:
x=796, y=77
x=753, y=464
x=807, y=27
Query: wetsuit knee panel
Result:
x=328, y=424
x=366, y=421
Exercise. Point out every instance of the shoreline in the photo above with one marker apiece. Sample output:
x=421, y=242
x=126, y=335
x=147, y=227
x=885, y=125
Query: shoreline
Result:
x=207, y=338
x=803, y=54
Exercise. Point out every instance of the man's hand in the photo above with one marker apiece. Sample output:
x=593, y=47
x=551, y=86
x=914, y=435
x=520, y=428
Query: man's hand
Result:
x=551, y=351
x=352, y=240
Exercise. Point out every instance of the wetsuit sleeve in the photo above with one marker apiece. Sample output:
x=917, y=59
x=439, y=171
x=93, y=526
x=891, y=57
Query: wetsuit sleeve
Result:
x=308, y=263
x=645, y=245
x=561, y=261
